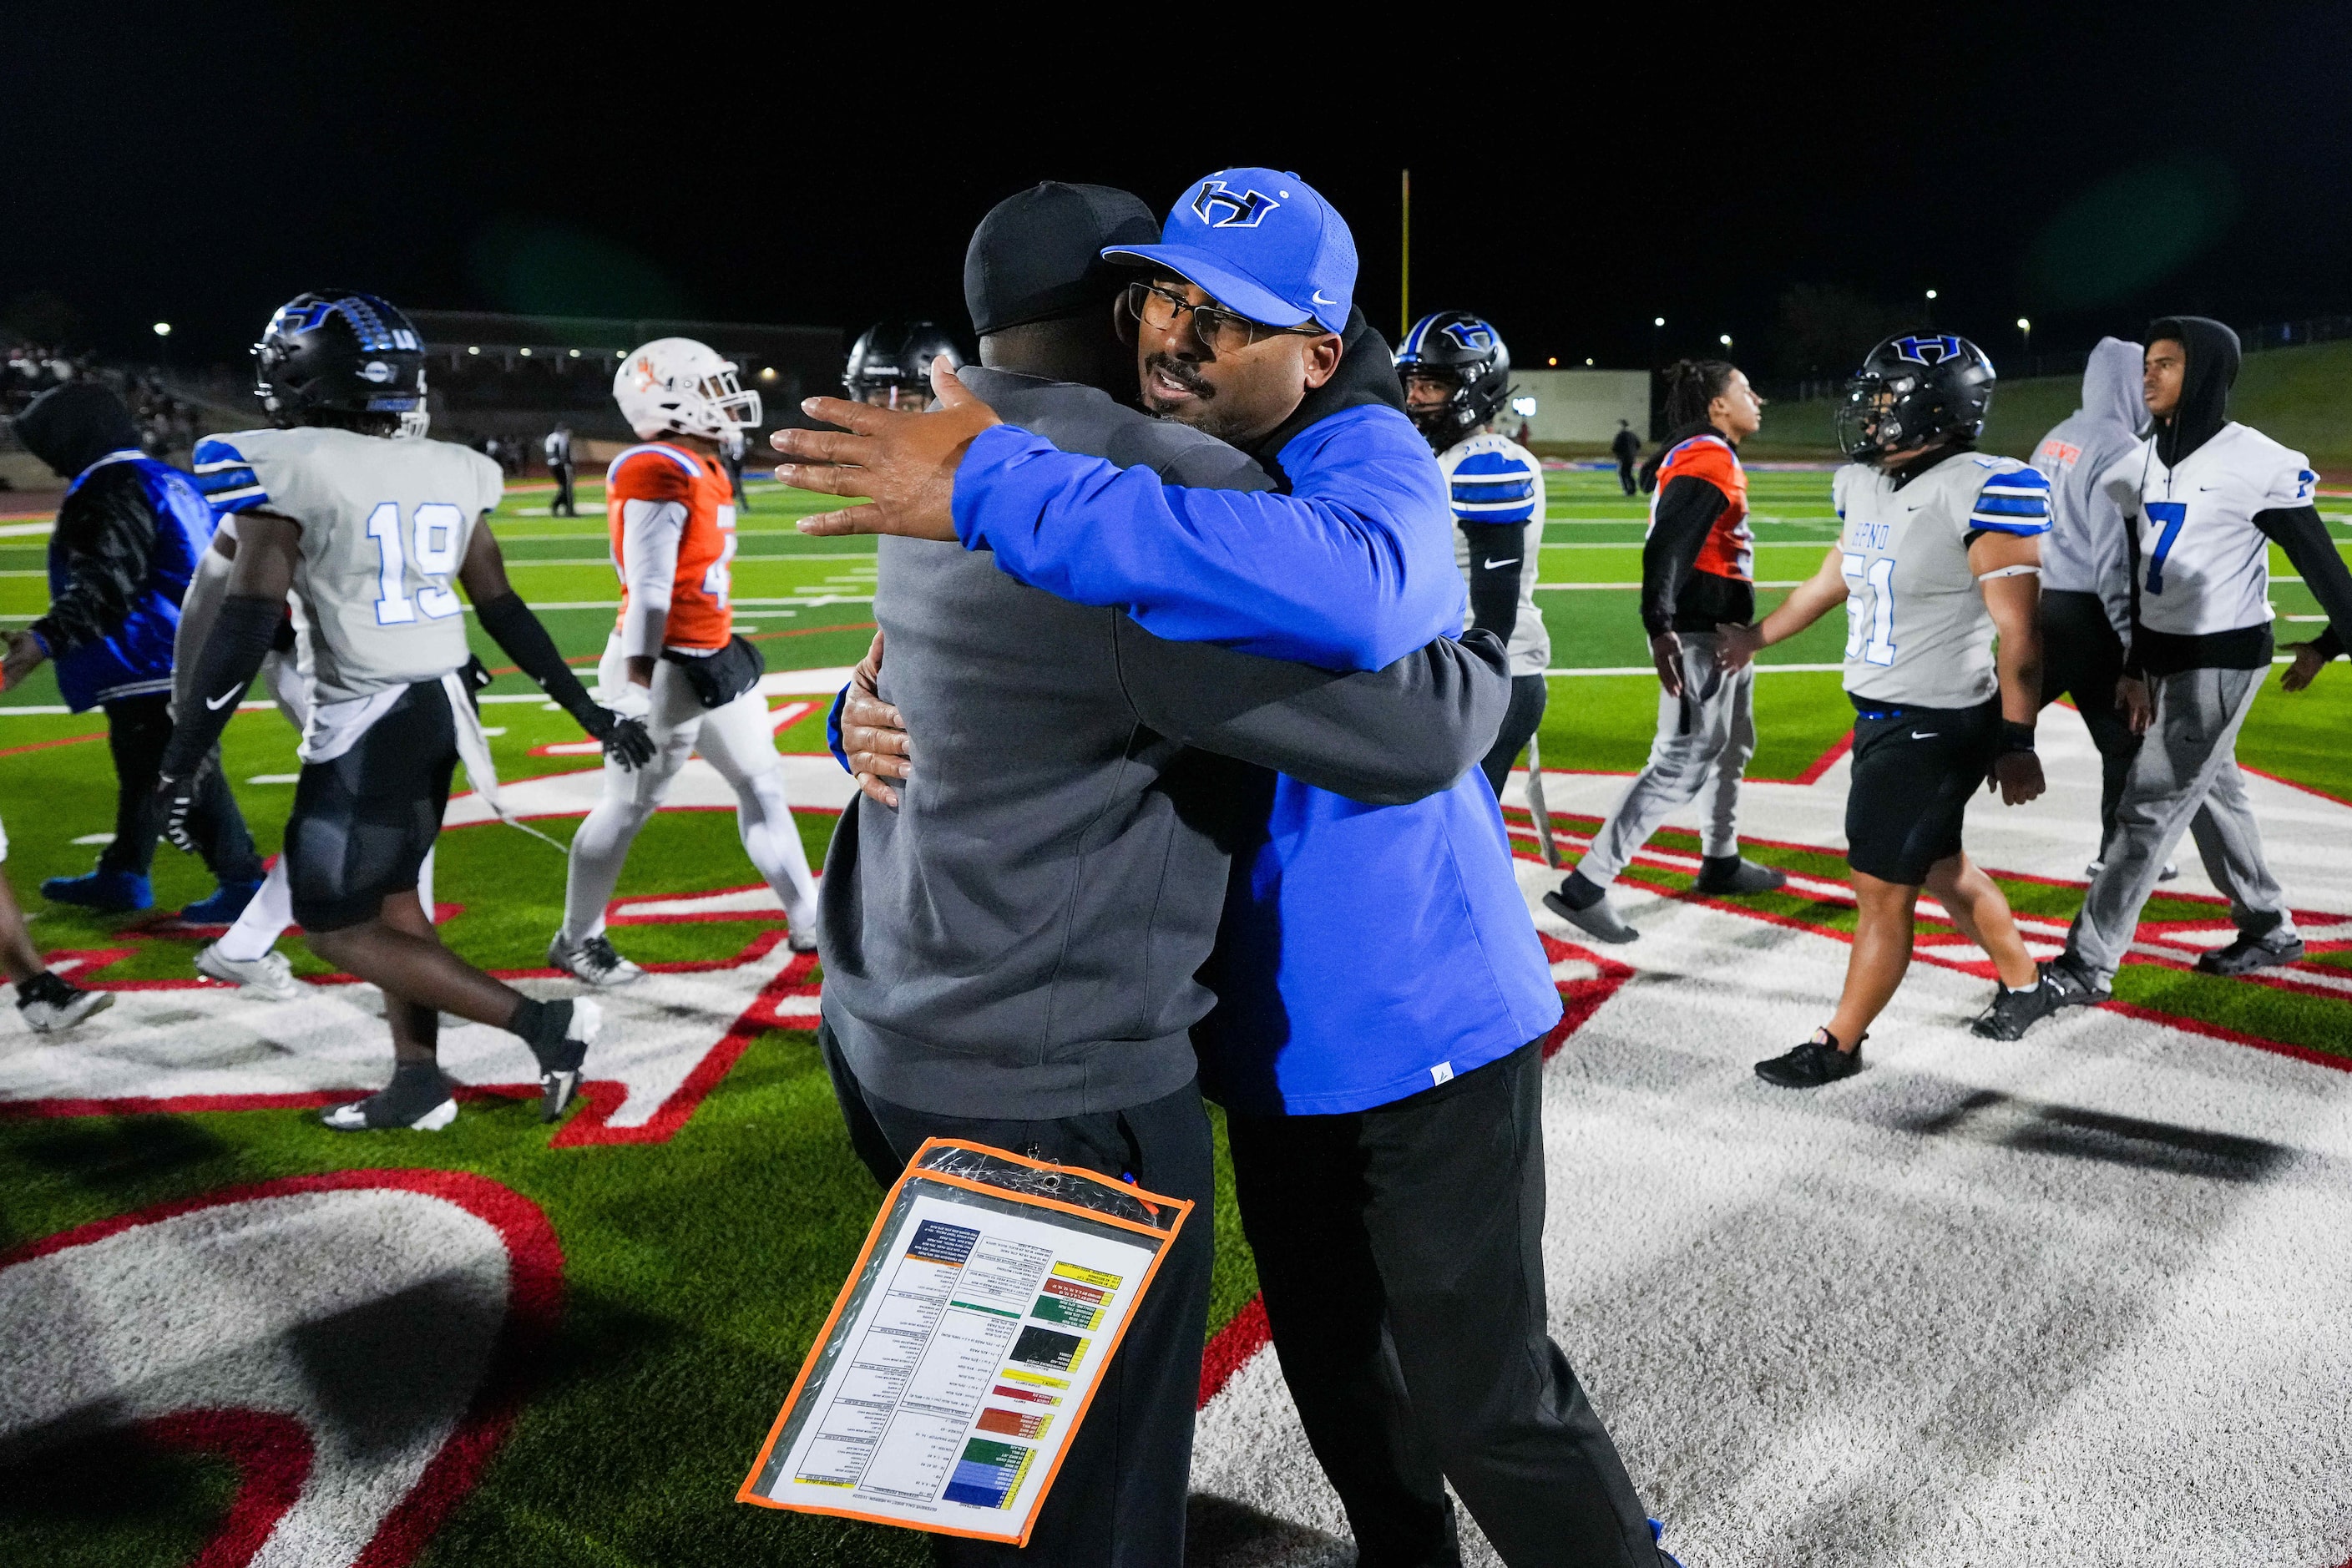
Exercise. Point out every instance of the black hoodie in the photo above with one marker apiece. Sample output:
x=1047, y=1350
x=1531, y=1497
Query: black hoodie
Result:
x=2213, y=357
x=72, y=427
x=105, y=536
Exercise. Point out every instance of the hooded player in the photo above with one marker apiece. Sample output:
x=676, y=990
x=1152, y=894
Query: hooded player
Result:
x=2206, y=499
x=673, y=659
x=369, y=530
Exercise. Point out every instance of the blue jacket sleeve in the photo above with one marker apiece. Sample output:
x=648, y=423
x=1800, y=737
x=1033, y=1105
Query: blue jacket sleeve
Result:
x=833, y=729
x=1352, y=570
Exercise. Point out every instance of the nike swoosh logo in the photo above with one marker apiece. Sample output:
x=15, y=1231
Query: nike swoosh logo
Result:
x=1928, y=736
x=1317, y=297
x=226, y=698
x=1513, y=561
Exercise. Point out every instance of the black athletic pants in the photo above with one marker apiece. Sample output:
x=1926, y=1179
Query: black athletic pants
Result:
x=1626, y=474
x=563, y=506
x=2082, y=658
x=1119, y=1501
x=138, y=728
x=1401, y=1251
x=1529, y=694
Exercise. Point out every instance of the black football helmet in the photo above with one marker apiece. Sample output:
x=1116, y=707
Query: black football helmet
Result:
x=1465, y=351
x=335, y=352
x=1914, y=391
x=895, y=358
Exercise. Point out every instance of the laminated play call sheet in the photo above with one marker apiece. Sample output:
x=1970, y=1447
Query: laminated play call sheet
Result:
x=962, y=1353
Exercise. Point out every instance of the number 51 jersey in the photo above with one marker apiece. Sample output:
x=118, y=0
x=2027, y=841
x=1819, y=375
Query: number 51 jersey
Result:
x=1917, y=632
x=384, y=523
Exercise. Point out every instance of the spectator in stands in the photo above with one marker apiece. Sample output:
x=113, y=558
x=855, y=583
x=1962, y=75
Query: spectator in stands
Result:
x=1627, y=448
x=127, y=541
x=559, y=463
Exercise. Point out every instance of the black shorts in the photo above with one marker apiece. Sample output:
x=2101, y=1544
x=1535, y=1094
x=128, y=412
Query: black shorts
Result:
x=363, y=823
x=1915, y=770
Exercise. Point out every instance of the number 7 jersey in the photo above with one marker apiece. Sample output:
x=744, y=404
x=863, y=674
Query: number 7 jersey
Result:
x=1917, y=632
x=384, y=526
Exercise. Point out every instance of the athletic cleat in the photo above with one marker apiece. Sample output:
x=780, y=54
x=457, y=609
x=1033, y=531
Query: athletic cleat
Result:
x=802, y=935
x=2249, y=954
x=270, y=974
x=591, y=958
x=2075, y=985
x=48, y=1003
x=417, y=1100
x=108, y=892
x=1732, y=874
x=2014, y=1011
x=1812, y=1064
x=227, y=901
x=559, y=1068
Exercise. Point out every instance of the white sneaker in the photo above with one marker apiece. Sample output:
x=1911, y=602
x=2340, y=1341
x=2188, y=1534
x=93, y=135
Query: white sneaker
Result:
x=417, y=1106
x=592, y=960
x=803, y=937
x=561, y=1072
x=270, y=974
x=60, y=1006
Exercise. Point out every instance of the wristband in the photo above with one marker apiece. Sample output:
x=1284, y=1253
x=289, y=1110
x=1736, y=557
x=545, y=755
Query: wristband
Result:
x=2015, y=737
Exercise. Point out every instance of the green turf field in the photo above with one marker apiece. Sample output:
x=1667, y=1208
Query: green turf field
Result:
x=697, y=1269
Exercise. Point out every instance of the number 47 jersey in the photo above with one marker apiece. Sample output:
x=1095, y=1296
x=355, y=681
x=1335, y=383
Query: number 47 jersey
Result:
x=1917, y=632
x=385, y=526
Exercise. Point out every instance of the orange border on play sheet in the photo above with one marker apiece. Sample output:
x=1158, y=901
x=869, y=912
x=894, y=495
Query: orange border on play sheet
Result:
x=1184, y=1207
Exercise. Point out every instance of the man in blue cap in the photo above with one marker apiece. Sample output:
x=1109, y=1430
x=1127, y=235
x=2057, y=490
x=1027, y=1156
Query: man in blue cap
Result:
x=1381, y=996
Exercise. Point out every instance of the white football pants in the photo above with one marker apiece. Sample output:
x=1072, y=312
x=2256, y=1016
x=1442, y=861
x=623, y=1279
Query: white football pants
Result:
x=737, y=741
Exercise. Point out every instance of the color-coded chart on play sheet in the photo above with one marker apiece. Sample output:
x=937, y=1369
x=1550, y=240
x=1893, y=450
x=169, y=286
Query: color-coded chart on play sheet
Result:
x=958, y=1365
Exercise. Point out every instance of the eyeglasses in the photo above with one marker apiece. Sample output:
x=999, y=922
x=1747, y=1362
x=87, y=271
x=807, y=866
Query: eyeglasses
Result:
x=1221, y=331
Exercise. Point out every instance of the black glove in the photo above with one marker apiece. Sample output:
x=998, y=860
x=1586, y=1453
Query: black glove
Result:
x=175, y=800
x=627, y=741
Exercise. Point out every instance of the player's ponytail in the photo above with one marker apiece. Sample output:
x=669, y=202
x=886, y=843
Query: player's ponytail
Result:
x=1691, y=386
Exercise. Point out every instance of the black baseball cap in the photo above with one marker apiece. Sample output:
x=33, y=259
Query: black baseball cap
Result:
x=1039, y=255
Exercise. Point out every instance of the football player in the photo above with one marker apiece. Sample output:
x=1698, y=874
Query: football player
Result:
x=1939, y=551
x=673, y=659
x=1697, y=573
x=2205, y=498
x=890, y=364
x=374, y=533
x=45, y=1000
x=1457, y=377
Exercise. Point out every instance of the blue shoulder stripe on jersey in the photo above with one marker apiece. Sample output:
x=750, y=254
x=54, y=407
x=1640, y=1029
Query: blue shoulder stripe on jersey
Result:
x=212, y=452
x=2009, y=524
x=224, y=479
x=1698, y=440
x=1519, y=512
x=1482, y=463
x=682, y=459
x=2012, y=506
x=1494, y=490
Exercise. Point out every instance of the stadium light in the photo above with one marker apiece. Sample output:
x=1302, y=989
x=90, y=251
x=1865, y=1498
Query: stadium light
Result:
x=1588, y=362
x=2025, y=331
x=766, y=373
x=162, y=328
x=575, y=353
x=1657, y=320
x=619, y=354
x=473, y=350
x=1725, y=339
x=1554, y=359
x=1931, y=294
x=526, y=353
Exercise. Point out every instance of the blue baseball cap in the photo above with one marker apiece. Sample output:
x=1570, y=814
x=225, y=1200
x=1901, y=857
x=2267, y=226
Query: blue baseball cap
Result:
x=1261, y=242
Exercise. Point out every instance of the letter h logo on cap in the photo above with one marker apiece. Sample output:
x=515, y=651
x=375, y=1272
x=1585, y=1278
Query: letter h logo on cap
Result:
x=1216, y=204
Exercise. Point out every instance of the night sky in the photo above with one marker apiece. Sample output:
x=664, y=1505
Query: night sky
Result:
x=1790, y=183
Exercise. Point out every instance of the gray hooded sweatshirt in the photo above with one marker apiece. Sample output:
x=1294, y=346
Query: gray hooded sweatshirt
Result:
x=2087, y=548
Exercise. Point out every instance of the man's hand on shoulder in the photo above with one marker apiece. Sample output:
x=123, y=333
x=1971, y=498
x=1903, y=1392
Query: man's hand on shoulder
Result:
x=904, y=464
x=873, y=735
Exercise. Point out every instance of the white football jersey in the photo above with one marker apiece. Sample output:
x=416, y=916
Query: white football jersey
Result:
x=1917, y=632
x=385, y=526
x=2204, y=567
x=1492, y=479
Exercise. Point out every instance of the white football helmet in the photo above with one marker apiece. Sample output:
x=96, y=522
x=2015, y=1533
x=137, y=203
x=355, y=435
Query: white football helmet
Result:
x=676, y=385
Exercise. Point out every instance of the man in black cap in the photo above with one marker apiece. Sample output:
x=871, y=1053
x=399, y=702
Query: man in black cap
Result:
x=1011, y=933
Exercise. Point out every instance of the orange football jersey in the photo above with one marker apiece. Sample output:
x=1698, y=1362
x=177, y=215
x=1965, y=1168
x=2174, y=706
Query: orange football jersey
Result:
x=658, y=471
x=1730, y=548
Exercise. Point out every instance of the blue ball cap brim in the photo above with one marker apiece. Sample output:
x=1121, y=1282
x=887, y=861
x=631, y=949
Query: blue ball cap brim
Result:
x=1234, y=289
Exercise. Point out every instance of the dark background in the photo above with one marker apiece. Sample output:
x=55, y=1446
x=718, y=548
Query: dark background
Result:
x=1796, y=180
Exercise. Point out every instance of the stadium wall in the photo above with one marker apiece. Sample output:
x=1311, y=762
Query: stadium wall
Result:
x=1584, y=406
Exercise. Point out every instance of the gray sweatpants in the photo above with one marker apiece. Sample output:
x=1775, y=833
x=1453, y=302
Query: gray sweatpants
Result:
x=2188, y=760
x=1704, y=738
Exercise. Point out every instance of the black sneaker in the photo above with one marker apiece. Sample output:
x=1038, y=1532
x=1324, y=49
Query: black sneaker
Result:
x=48, y=1003
x=1733, y=874
x=2075, y=987
x=2014, y=1011
x=1584, y=904
x=1816, y=1062
x=2249, y=954
x=417, y=1098
x=559, y=1067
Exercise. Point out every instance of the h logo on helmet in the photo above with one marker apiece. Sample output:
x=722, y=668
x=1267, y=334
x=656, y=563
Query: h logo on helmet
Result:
x=1929, y=350
x=308, y=318
x=1219, y=207
x=1476, y=337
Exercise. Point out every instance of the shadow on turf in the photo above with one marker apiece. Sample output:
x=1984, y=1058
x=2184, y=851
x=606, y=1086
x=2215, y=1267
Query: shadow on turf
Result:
x=115, y=1153
x=1222, y=1533
x=1987, y=1115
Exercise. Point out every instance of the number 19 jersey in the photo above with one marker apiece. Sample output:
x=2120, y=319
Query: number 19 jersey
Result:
x=1917, y=633
x=385, y=526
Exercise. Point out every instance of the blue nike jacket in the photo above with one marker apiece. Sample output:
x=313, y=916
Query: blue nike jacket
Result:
x=127, y=541
x=1367, y=952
